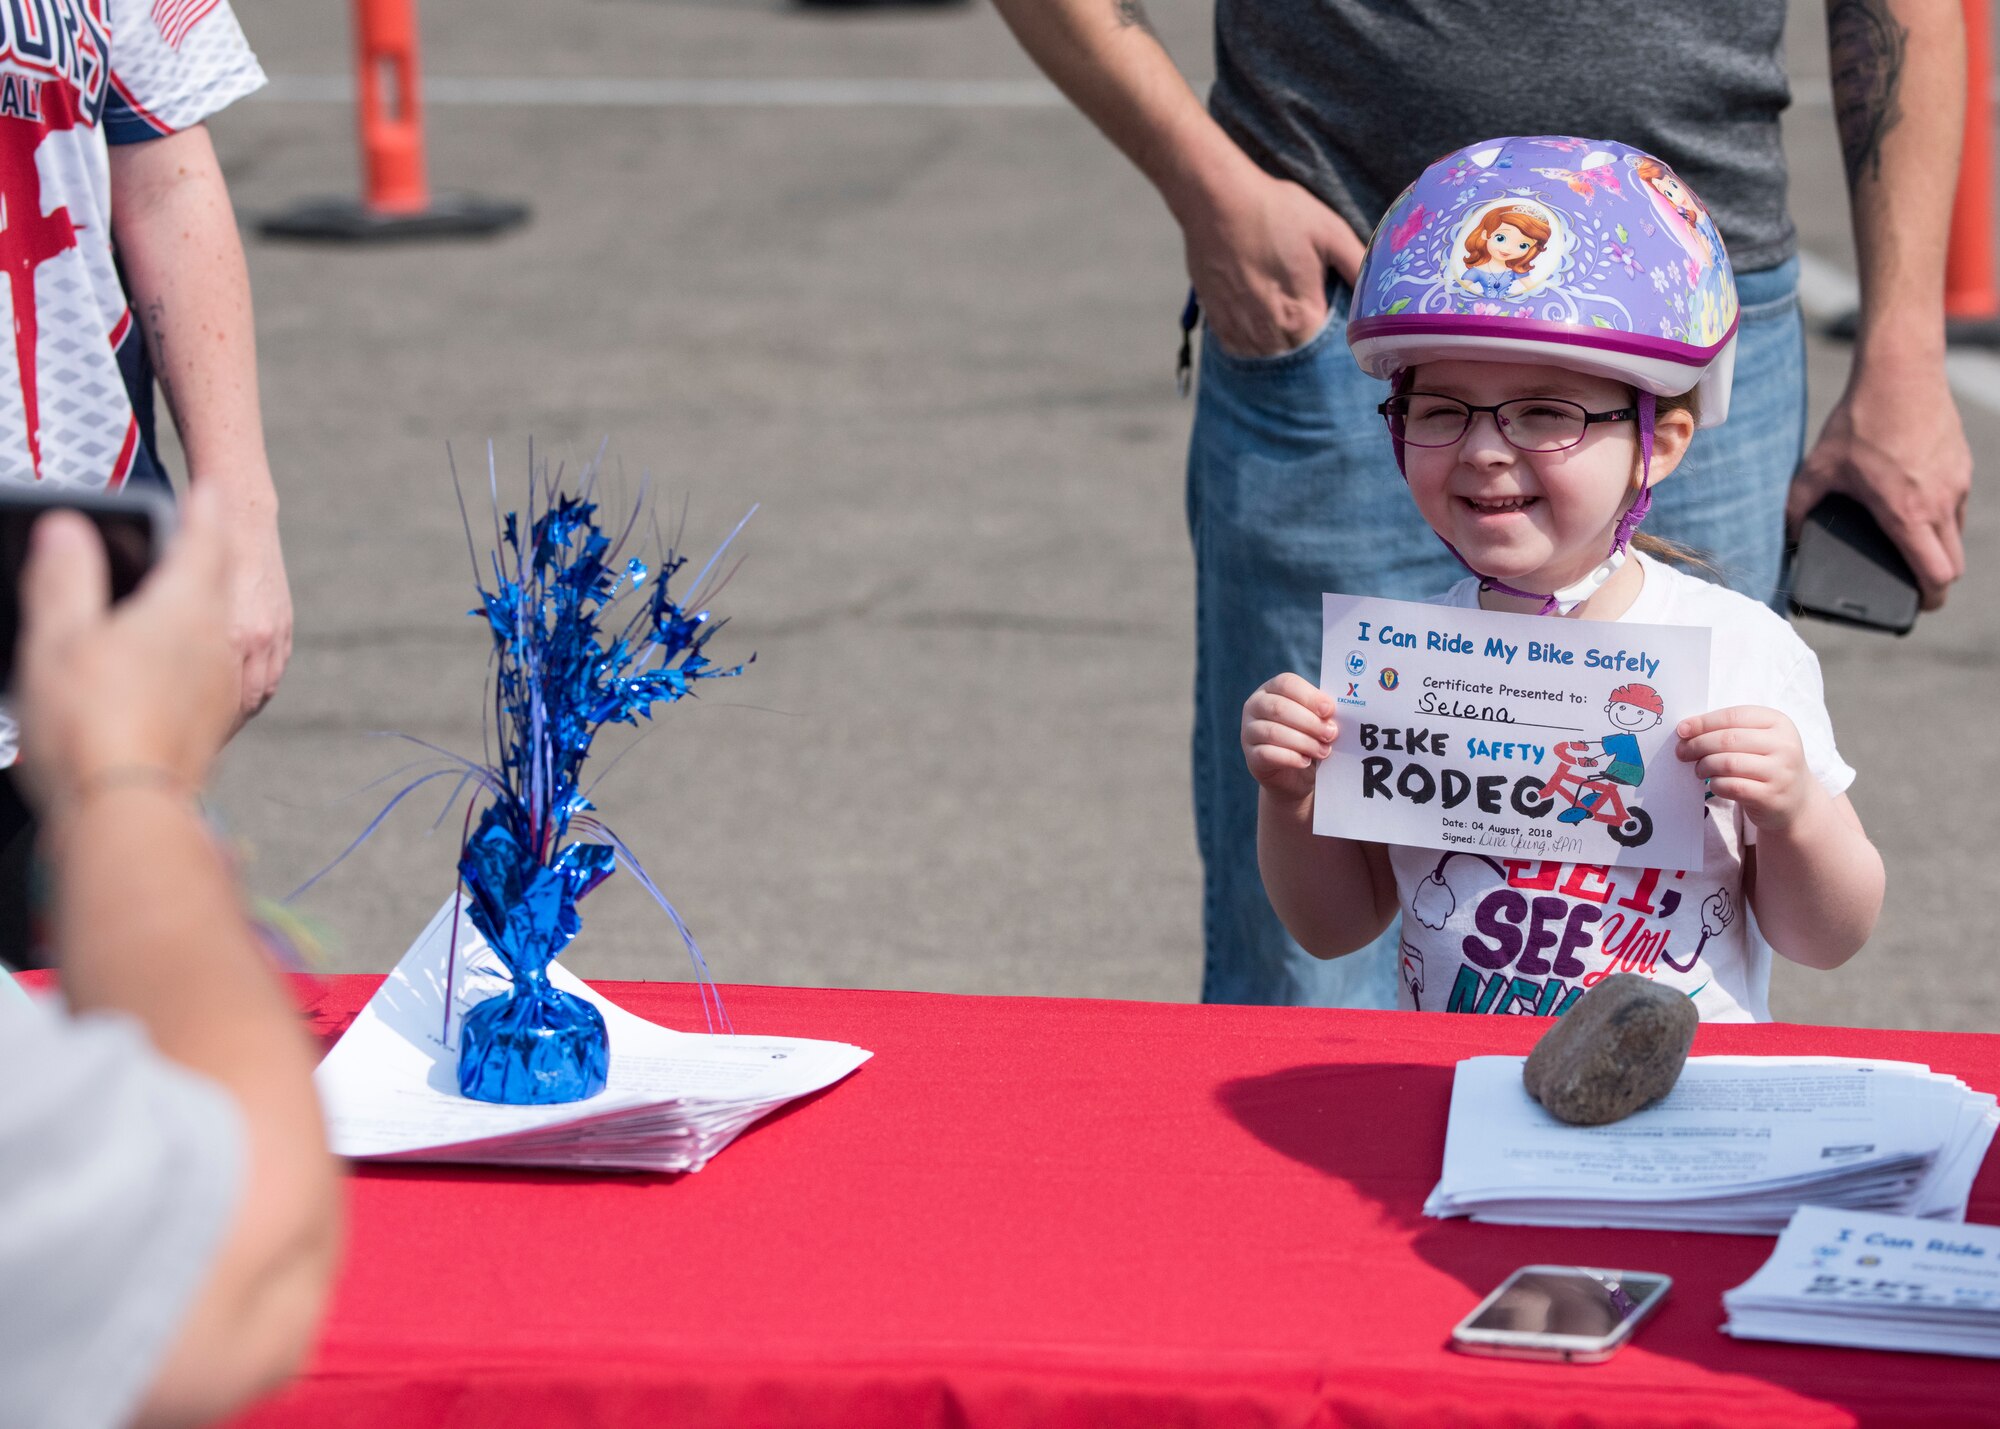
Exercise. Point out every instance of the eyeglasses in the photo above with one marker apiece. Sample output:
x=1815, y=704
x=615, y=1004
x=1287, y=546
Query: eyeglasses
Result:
x=1529, y=424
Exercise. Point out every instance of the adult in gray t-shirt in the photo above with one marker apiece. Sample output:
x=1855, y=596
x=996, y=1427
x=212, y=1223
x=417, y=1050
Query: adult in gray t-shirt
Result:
x=1323, y=110
x=1351, y=100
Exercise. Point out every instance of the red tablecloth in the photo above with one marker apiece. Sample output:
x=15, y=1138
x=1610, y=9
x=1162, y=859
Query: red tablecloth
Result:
x=1026, y=1211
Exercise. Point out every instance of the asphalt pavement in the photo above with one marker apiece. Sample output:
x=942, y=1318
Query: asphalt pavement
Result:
x=860, y=269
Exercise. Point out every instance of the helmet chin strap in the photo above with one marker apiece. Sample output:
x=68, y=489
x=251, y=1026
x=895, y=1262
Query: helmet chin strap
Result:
x=1563, y=601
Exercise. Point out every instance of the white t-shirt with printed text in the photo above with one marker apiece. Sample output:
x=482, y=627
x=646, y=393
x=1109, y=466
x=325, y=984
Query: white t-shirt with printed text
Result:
x=1484, y=933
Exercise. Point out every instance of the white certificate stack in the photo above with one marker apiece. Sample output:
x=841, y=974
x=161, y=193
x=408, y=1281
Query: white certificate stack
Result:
x=389, y=1088
x=1737, y=1146
x=1875, y=1282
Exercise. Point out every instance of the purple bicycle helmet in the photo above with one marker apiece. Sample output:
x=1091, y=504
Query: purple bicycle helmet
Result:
x=1584, y=254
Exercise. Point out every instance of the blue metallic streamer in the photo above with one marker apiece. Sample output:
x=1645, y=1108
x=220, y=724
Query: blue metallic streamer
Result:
x=583, y=636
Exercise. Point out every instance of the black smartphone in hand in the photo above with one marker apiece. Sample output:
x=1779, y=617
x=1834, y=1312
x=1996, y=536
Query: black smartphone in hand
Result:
x=134, y=525
x=1847, y=570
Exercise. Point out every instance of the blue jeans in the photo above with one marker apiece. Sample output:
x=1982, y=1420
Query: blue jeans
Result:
x=1293, y=490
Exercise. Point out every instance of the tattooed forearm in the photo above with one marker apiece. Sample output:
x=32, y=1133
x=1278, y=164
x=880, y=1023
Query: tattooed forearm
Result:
x=154, y=330
x=1132, y=13
x=1867, y=48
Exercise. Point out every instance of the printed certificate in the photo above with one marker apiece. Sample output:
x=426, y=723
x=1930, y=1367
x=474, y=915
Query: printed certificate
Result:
x=1522, y=734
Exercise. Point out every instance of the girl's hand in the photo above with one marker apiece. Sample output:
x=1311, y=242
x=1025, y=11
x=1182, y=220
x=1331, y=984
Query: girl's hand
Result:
x=1752, y=755
x=1288, y=728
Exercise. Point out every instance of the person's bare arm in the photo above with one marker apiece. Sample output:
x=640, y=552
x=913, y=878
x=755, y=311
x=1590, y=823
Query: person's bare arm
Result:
x=1816, y=886
x=1895, y=439
x=1258, y=247
x=176, y=235
x=122, y=713
x=1332, y=895
x=1813, y=878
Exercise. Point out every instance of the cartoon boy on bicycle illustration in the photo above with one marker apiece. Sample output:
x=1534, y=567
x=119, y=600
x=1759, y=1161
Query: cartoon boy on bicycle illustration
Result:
x=1602, y=765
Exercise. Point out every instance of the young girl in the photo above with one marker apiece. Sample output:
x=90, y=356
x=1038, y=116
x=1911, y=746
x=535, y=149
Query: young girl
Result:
x=1530, y=449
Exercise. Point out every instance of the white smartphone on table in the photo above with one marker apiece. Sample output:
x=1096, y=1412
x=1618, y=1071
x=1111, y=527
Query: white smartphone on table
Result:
x=1571, y=1314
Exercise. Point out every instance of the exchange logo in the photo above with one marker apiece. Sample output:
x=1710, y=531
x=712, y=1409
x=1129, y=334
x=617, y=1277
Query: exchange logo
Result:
x=1388, y=679
x=1357, y=664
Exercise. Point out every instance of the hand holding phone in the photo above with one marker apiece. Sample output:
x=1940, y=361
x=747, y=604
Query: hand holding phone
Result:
x=134, y=527
x=151, y=682
x=1847, y=570
x=132, y=530
x=1567, y=1313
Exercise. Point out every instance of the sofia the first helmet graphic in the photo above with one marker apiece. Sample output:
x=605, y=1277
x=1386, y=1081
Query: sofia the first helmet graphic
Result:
x=1583, y=253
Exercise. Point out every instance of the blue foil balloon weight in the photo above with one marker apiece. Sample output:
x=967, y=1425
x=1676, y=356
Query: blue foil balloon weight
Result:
x=585, y=634
x=535, y=1044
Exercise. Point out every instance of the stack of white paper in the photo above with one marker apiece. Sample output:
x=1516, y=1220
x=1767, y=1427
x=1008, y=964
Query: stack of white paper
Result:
x=1738, y=1145
x=1876, y=1282
x=389, y=1087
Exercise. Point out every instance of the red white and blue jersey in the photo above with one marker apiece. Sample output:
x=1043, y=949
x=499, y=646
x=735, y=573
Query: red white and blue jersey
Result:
x=75, y=77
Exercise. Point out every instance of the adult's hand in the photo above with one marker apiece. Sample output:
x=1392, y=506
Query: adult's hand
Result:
x=1258, y=248
x=150, y=685
x=260, y=607
x=183, y=262
x=1258, y=252
x=121, y=711
x=1895, y=442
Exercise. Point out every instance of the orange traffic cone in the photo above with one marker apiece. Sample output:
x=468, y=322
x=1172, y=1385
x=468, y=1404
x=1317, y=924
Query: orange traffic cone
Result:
x=1971, y=300
x=397, y=202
